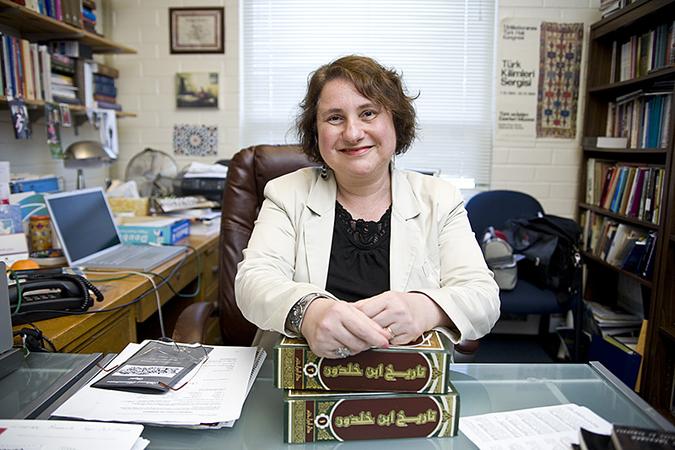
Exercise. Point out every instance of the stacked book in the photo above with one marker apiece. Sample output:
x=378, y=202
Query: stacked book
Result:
x=105, y=91
x=399, y=392
x=64, y=89
x=89, y=15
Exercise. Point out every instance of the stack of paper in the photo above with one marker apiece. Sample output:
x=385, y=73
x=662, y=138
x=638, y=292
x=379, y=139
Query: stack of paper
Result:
x=212, y=398
x=64, y=434
x=552, y=427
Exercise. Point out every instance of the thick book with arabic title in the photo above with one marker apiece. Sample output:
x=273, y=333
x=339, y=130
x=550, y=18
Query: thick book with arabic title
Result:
x=422, y=366
x=316, y=416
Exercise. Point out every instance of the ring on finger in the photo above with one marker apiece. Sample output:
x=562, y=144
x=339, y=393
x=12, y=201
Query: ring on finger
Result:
x=391, y=332
x=342, y=352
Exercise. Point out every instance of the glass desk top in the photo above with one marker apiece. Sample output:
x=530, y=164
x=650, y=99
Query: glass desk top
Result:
x=483, y=388
x=40, y=379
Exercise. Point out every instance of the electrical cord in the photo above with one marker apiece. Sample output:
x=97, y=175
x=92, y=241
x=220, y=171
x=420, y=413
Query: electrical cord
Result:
x=34, y=340
x=155, y=288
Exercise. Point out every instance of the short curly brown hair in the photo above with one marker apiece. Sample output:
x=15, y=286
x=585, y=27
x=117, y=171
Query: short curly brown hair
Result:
x=373, y=81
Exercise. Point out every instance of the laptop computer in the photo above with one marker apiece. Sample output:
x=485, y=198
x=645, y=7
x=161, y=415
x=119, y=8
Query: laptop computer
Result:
x=84, y=223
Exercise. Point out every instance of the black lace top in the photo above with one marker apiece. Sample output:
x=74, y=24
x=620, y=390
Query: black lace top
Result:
x=359, y=256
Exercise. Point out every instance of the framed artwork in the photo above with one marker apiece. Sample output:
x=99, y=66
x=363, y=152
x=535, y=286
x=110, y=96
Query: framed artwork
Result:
x=197, y=90
x=197, y=30
x=195, y=140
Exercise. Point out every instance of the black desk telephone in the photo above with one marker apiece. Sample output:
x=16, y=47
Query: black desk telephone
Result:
x=46, y=293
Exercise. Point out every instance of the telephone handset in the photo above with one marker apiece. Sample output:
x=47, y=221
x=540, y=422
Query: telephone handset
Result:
x=43, y=294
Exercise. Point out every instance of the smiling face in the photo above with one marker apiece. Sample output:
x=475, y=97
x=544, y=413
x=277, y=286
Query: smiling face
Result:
x=356, y=136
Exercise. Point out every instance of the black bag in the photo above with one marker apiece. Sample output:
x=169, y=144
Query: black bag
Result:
x=550, y=246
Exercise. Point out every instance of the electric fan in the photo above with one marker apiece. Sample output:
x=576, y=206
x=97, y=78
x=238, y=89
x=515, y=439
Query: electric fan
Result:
x=154, y=172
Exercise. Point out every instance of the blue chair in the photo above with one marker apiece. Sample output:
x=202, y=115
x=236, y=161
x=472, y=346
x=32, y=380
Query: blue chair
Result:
x=495, y=208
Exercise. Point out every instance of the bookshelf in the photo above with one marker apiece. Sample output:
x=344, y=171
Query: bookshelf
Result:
x=35, y=27
x=627, y=195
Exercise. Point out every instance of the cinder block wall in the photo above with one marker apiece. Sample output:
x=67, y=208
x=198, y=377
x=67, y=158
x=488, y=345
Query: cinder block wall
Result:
x=547, y=169
x=147, y=80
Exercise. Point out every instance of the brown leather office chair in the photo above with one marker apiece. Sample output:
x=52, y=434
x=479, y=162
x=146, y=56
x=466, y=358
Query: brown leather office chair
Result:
x=249, y=171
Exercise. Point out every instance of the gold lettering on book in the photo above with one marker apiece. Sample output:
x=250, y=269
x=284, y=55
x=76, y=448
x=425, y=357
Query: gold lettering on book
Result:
x=298, y=369
x=389, y=374
x=401, y=420
x=349, y=370
x=363, y=418
x=309, y=422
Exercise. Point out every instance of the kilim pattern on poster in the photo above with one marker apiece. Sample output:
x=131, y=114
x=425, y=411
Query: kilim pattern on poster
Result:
x=559, y=69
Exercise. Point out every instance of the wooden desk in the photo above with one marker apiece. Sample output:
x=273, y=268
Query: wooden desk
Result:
x=112, y=331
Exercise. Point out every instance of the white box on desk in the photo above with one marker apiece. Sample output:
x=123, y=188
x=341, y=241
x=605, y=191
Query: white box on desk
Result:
x=153, y=230
x=13, y=247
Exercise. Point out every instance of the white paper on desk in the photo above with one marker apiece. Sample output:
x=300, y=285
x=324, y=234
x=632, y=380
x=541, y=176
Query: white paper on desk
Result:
x=550, y=427
x=73, y=435
x=215, y=394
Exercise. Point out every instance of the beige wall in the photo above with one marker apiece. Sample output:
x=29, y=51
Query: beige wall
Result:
x=146, y=83
x=545, y=168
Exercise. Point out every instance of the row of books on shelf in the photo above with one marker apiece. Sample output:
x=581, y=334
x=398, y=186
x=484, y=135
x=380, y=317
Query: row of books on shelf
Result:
x=623, y=246
x=642, y=54
x=642, y=117
x=631, y=190
x=29, y=70
x=24, y=68
x=78, y=13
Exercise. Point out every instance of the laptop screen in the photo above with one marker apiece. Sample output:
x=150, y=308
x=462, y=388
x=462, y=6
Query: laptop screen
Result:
x=83, y=221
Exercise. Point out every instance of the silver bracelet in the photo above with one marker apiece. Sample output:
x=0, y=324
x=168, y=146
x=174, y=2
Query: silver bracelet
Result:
x=297, y=314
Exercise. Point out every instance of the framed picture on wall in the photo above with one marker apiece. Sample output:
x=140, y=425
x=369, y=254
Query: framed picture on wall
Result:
x=197, y=90
x=197, y=30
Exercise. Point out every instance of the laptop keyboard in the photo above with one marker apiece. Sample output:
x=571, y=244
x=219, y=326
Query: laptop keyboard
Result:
x=124, y=255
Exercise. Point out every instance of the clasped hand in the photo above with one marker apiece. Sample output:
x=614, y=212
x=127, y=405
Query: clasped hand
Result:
x=390, y=318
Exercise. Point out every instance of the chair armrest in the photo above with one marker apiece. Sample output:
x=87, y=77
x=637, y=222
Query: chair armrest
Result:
x=191, y=324
x=465, y=351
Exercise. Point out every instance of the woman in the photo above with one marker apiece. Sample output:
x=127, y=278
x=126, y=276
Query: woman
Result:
x=358, y=254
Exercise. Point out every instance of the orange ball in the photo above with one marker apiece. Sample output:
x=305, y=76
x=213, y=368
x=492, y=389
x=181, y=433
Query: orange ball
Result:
x=24, y=264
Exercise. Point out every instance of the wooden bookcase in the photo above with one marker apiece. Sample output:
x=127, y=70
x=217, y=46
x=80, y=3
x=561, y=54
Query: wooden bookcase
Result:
x=34, y=27
x=604, y=88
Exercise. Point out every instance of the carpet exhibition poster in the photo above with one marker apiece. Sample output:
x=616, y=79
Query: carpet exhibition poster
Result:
x=538, y=72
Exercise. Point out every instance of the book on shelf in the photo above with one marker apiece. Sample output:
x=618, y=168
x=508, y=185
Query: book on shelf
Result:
x=320, y=416
x=421, y=367
x=613, y=316
x=608, y=142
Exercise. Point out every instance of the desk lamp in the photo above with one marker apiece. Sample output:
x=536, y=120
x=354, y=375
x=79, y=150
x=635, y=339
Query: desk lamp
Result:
x=85, y=154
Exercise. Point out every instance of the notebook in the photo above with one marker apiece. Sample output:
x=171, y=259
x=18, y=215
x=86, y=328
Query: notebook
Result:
x=85, y=226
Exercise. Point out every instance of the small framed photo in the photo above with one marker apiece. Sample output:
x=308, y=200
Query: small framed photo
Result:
x=66, y=118
x=197, y=30
x=197, y=90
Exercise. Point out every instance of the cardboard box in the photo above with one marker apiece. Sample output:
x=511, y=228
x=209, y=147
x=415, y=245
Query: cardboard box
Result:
x=153, y=230
x=130, y=206
x=13, y=247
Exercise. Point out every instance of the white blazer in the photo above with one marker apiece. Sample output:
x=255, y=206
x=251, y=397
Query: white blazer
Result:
x=432, y=250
